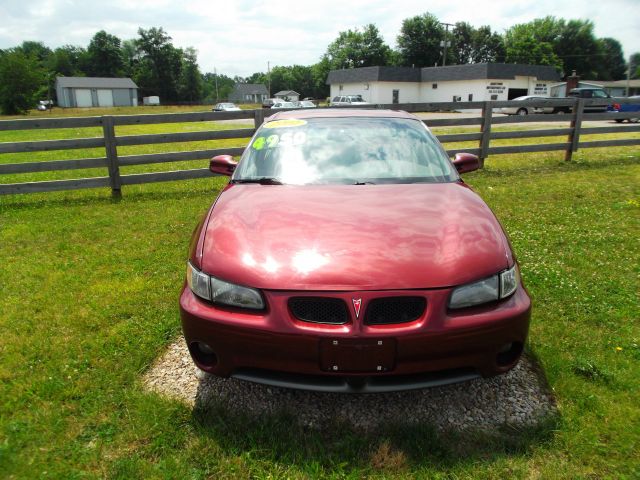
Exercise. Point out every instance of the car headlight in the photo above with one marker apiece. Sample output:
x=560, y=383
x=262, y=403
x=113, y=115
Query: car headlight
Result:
x=221, y=292
x=490, y=289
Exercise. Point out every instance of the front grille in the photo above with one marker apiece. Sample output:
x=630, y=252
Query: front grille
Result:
x=319, y=310
x=383, y=311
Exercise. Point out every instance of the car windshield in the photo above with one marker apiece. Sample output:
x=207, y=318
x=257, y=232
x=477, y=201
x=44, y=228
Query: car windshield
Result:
x=345, y=150
x=355, y=98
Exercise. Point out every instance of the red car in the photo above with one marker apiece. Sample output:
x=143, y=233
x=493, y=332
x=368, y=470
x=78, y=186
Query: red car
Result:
x=347, y=255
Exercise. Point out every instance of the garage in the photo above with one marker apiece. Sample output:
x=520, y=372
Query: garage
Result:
x=102, y=92
x=83, y=97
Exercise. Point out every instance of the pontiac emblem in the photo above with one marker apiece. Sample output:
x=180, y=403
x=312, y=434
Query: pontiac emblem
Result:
x=357, y=303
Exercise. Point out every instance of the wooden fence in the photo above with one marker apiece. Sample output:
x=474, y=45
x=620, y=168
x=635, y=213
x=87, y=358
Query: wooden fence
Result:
x=112, y=161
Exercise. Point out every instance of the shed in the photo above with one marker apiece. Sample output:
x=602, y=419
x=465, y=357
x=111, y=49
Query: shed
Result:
x=96, y=92
x=288, y=95
x=248, y=93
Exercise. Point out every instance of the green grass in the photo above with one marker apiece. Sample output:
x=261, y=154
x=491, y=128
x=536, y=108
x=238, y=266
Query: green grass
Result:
x=89, y=299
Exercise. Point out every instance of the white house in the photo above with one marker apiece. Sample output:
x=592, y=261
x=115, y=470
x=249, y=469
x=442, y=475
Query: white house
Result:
x=288, y=95
x=96, y=92
x=454, y=83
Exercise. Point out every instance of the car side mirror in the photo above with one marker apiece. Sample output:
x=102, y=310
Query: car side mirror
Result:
x=466, y=162
x=223, y=165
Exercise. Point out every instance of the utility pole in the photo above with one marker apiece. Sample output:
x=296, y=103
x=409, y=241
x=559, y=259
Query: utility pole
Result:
x=269, y=78
x=215, y=76
x=628, y=76
x=445, y=43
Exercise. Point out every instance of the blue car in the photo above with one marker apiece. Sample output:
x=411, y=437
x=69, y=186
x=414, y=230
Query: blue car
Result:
x=627, y=108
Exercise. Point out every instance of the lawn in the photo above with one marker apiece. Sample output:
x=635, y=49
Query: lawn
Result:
x=89, y=299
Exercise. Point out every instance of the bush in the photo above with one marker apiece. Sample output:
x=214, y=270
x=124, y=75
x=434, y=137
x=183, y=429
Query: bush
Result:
x=21, y=79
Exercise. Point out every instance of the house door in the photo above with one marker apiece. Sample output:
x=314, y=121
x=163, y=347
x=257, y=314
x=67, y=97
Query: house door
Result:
x=396, y=96
x=105, y=98
x=83, y=97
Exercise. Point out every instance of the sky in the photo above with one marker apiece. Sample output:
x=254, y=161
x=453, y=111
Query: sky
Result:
x=239, y=37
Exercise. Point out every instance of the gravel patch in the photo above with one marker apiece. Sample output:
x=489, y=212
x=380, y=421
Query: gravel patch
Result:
x=517, y=399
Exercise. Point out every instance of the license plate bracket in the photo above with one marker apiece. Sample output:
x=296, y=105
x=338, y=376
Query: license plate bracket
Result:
x=357, y=355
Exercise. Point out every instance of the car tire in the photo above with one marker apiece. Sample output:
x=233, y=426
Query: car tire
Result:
x=522, y=111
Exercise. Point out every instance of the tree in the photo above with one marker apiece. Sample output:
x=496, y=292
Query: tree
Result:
x=319, y=73
x=67, y=61
x=419, y=41
x=611, y=65
x=216, y=87
x=159, y=68
x=634, y=65
x=104, y=56
x=130, y=56
x=474, y=45
x=488, y=46
x=358, y=48
x=577, y=47
x=462, y=44
x=190, y=87
x=533, y=43
x=22, y=80
x=36, y=50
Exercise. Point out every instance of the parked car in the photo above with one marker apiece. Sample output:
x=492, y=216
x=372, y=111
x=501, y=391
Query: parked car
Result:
x=268, y=103
x=622, y=107
x=347, y=100
x=44, y=105
x=348, y=255
x=282, y=104
x=526, y=109
x=592, y=92
x=304, y=104
x=225, y=107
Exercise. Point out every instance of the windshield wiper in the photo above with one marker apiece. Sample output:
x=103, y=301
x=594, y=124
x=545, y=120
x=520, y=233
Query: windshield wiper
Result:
x=261, y=181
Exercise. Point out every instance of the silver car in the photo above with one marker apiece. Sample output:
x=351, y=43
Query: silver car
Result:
x=348, y=100
x=526, y=109
x=282, y=104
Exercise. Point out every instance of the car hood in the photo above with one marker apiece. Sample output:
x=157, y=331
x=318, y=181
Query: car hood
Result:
x=352, y=237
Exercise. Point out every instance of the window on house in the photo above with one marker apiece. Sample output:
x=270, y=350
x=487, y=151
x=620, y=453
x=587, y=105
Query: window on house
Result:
x=471, y=97
x=434, y=85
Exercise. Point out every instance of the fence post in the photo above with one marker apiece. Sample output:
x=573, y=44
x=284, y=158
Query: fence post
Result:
x=576, y=124
x=112, y=154
x=258, y=117
x=485, y=129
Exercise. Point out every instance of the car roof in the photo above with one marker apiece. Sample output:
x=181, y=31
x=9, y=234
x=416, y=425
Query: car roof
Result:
x=341, y=113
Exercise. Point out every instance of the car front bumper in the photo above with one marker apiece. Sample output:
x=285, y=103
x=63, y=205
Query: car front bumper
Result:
x=440, y=347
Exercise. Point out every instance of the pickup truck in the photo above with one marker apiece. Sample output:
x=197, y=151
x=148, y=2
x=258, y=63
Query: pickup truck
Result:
x=591, y=92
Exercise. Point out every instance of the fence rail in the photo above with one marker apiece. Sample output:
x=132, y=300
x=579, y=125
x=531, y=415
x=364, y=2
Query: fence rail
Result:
x=112, y=161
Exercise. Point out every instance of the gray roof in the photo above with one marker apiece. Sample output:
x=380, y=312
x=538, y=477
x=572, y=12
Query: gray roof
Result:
x=489, y=71
x=498, y=71
x=250, y=89
x=286, y=92
x=94, y=82
x=373, y=74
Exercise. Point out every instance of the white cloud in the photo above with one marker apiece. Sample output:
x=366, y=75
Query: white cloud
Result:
x=239, y=37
